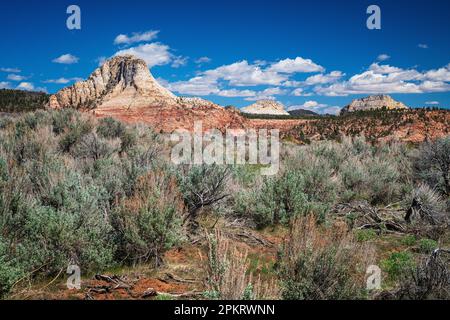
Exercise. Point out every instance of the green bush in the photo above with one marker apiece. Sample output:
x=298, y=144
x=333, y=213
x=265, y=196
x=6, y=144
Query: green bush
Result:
x=365, y=235
x=279, y=200
x=313, y=178
x=409, y=240
x=110, y=128
x=3, y=170
x=397, y=265
x=10, y=271
x=427, y=245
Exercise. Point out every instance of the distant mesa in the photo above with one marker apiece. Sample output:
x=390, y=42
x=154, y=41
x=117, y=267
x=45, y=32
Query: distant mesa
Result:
x=375, y=102
x=266, y=107
x=302, y=113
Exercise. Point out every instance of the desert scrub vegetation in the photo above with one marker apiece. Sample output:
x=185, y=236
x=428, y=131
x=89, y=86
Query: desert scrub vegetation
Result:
x=379, y=189
x=316, y=177
x=102, y=194
x=75, y=190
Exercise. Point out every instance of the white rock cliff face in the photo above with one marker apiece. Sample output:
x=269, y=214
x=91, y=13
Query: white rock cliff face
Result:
x=123, y=81
x=269, y=107
x=373, y=103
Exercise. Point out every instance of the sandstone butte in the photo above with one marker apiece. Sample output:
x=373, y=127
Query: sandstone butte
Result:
x=124, y=88
x=268, y=107
x=375, y=102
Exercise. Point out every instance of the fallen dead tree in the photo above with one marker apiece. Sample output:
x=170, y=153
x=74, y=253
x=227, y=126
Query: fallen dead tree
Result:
x=417, y=219
x=248, y=237
x=151, y=293
x=112, y=283
x=362, y=215
x=169, y=277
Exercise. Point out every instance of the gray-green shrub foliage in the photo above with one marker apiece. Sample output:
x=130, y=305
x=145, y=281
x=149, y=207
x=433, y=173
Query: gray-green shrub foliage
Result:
x=432, y=164
x=317, y=176
x=65, y=182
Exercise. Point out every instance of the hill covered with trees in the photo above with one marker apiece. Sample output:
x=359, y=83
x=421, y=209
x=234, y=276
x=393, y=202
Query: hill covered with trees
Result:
x=21, y=101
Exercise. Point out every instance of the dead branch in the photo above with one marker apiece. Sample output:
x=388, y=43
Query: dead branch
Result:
x=151, y=293
x=170, y=277
x=249, y=237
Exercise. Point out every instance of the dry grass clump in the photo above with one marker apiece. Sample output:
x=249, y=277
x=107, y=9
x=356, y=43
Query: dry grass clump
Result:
x=318, y=262
x=227, y=276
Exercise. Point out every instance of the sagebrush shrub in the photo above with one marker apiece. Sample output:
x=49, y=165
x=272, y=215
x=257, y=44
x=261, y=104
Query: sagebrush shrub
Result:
x=428, y=280
x=110, y=128
x=299, y=189
x=313, y=178
x=150, y=222
x=75, y=132
x=432, y=164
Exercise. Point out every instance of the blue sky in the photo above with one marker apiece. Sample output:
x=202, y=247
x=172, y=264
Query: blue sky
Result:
x=316, y=54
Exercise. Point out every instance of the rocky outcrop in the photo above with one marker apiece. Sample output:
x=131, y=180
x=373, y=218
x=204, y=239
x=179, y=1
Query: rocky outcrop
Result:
x=269, y=107
x=373, y=103
x=122, y=81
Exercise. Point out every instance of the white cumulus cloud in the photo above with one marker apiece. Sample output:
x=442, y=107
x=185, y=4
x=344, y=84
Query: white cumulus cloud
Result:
x=136, y=37
x=154, y=54
x=66, y=59
x=4, y=85
x=179, y=61
x=317, y=107
x=12, y=70
x=383, y=57
x=28, y=86
x=62, y=80
x=244, y=74
x=386, y=79
x=203, y=60
x=324, y=78
x=16, y=77
x=296, y=65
